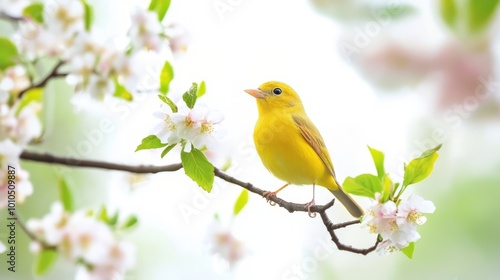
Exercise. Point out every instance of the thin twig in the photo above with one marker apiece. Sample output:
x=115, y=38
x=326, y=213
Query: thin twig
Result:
x=53, y=74
x=291, y=207
x=9, y=17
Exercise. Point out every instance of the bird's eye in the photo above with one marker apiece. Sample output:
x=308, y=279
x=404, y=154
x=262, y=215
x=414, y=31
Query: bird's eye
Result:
x=277, y=91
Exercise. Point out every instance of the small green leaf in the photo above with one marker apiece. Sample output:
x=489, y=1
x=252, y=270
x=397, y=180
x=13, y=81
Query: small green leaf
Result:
x=35, y=12
x=378, y=160
x=8, y=55
x=169, y=102
x=449, y=12
x=89, y=15
x=480, y=13
x=103, y=214
x=202, y=89
x=160, y=7
x=408, y=250
x=190, y=96
x=198, y=168
x=122, y=92
x=227, y=165
x=363, y=185
x=113, y=219
x=241, y=202
x=420, y=168
x=32, y=95
x=387, y=188
x=167, y=149
x=44, y=261
x=166, y=76
x=130, y=222
x=150, y=142
x=66, y=196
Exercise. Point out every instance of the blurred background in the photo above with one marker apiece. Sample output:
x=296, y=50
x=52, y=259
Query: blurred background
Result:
x=400, y=76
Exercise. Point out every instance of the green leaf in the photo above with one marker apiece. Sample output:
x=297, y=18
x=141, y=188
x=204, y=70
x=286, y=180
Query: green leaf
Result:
x=480, y=13
x=363, y=185
x=408, y=250
x=45, y=261
x=241, y=202
x=66, y=196
x=32, y=95
x=160, y=7
x=420, y=168
x=113, y=219
x=378, y=160
x=169, y=102
x=35, y=12
x=89, y=15
x=122, y=92
x=190, y=96
x=8, y=54
x=198, y=168
x=166, y=76
x=103, y=214
x=202, y=89
x=130, y=222
x=449, y=12
x=150, y=142
x=387, y=188
x=167, y=149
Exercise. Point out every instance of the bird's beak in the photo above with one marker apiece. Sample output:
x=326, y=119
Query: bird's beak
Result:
x=257, y=93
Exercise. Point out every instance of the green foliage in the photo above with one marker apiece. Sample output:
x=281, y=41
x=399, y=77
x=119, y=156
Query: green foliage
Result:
x=166, y=76
x=89, y=15
x=378, y=160
x=122, y=92
x=150, y=142
x=363, y=185
x=190, y=96
x=45, y=261
x=449, y=12
x=8, y=55
x=202, y=89
x=32, y=95
x=66, y=196
x=160, y=7
x=113, y=219
x=408, y=250
x=198, y=168
x=167, y=149
x=35, y=12
x=418, y=169
x=387, y=188
x=169, y=102
x=241, y=202
x=130, y=222
x=480, y=13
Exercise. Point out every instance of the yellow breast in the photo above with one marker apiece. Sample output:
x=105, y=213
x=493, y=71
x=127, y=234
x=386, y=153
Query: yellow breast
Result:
x=286, y=154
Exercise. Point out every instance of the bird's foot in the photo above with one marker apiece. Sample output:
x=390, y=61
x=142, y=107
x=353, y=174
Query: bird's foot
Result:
x=267, y=195
x=308, y=207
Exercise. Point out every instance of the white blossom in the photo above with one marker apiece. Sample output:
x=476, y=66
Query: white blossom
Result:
x=65, y=18
x=198, y=126
x=82, y=238
x=9, y=153
x=145, y=30
x=223, y=244
x=13, y=8
x=12, y=81
x=2, y=247
x=20, y=128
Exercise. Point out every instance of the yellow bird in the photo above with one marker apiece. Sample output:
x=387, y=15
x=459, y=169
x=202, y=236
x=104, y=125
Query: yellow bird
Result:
x=290, y=146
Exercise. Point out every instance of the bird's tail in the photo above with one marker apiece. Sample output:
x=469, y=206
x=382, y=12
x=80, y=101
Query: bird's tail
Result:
x=349, y=203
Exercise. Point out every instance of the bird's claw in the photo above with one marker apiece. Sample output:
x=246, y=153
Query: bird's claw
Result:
x=267, y=195
x=308, y=207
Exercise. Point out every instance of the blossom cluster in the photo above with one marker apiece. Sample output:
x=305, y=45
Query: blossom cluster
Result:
x=81, y=238
x=397, y=223
x=198, y=126
x=224, y=244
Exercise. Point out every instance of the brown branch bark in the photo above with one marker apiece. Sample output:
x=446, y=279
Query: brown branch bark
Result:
x=290, y=206
x=53, y=74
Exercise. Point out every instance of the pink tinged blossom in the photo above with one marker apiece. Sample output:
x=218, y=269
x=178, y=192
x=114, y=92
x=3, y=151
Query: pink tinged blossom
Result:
x=223, y=244
x=145, y=30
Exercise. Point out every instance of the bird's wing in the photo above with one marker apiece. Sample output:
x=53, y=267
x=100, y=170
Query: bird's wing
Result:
x=314, y=139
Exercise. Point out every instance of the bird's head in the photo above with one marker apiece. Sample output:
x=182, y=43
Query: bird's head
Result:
x=274, y=95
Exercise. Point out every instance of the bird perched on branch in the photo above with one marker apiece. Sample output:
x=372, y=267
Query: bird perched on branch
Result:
x=291, y=147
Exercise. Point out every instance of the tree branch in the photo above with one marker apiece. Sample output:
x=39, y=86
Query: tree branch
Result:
x=9, y=17
x=53, y=74
x=290, y=206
